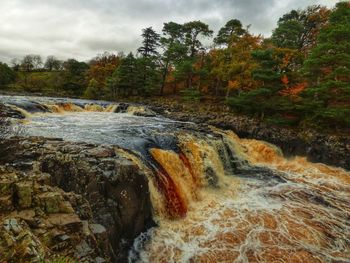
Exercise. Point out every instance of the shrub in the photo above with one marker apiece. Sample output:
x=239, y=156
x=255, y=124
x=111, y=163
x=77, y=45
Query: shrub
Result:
x=191, y=94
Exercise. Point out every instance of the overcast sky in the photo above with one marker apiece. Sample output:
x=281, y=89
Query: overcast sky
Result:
x=84, y=28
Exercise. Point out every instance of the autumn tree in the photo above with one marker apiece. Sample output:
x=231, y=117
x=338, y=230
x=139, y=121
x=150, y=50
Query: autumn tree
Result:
x=274, y=67
x=233, y=66
x=101, y=68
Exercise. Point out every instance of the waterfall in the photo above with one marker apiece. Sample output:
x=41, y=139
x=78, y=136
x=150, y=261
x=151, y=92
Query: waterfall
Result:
x=283, y=209
x=216, y=197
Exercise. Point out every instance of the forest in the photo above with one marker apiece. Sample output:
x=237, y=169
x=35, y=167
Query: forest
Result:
x=299, y=76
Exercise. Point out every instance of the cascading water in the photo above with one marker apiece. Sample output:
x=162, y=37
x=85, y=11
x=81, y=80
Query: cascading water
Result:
x=216, y=197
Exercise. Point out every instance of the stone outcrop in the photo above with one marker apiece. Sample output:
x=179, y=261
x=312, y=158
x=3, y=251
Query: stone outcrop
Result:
x=90, y=201
x=39, y=221
x=317, y=147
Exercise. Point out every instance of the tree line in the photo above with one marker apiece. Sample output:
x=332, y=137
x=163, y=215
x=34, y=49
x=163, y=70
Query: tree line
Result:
x=299, y=75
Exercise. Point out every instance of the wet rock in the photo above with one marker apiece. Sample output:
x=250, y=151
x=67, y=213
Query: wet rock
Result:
x=68, y=222
x=43, y=224
x=97, y=229
x=9, y=112
x=83, y=250
x=50, y=202
x=140, y=111
x=6, y=203
x=101, y=186
x=12, y=225
x=101, y=152
x=24, y=192
x=5, y=187
x=65, y=207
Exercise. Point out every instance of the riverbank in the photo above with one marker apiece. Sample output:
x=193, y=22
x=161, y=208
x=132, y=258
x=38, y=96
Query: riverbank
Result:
x=332, y=148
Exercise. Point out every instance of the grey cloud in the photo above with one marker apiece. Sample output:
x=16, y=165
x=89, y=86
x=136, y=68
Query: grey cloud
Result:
x=83, y=28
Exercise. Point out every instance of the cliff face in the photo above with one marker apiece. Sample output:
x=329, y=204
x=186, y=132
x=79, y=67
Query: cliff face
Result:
x=324, y=148
x=79, y=200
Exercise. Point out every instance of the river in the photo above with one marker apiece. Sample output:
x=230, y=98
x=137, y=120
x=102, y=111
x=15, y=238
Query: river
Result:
x=216, y=197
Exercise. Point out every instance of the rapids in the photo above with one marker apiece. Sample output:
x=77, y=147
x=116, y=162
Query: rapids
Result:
x=216, y=197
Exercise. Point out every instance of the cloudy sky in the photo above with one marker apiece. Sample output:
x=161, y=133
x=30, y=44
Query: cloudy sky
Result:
x=84, y=28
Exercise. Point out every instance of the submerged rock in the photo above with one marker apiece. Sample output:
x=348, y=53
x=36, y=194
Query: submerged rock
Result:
x=140, y=111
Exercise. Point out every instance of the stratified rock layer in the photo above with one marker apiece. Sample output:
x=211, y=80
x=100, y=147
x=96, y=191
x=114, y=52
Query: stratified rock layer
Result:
x=109, y=208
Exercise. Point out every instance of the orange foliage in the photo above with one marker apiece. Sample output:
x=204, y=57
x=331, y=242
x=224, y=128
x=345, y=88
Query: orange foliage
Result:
x=103, y=67
x=285, y=80
x=233, y=84
x=294, y=90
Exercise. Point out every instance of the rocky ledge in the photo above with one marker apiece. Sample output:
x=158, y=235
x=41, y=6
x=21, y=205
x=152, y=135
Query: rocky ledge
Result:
x=324, y=148
x=74, y=200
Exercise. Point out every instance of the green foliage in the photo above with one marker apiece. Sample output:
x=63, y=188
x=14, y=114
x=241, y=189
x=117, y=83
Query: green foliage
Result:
x=73, y=77
x=299, y=75
x=193, y=31
x=184, y=69
x=174, y=49
x=298, y=29
x=267, y=72
x=191, y=94
x=232, y=29
x=264, y=103
x=288, y=34
x=150, y=43
x=327, y=101
x=92, y=91
x=7, y=75
x=330, y=59
x=124, y=79
x=250, y=102
x=147, y=75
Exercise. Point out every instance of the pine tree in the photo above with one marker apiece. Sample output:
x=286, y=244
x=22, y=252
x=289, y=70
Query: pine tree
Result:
x=328, y=69
x=150, y=43
x=124, y=79
x=172, y=42
x=232, y=29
